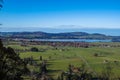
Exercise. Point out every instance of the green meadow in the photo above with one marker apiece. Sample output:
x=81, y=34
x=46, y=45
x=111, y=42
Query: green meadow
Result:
x=59, y=58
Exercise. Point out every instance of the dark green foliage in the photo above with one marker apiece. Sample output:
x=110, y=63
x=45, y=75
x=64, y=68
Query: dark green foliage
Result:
x=75, y=73
x=59, y=78
x=40, y=58
x=11, y=65
x=43, y=67
x=83, y=74
x=34, y=49
x=96, y=54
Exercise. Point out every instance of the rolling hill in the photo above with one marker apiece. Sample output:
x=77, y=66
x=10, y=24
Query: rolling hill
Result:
x=67, y=35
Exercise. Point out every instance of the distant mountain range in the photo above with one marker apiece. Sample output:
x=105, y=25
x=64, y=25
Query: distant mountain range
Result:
x=67, y=35
x=60, y=29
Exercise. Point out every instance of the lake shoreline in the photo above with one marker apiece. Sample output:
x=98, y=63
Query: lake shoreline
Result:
x=66, y=40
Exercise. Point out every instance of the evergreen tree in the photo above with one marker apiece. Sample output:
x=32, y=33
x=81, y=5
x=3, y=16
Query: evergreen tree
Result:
x=11, y=65
x=43, y=67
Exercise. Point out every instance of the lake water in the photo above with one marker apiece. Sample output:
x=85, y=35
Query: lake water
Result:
x=71, y=40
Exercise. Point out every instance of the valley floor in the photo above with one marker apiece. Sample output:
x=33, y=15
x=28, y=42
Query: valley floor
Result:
x=58, y=58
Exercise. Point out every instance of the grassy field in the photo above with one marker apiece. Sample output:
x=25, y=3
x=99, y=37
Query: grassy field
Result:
x=60, y=58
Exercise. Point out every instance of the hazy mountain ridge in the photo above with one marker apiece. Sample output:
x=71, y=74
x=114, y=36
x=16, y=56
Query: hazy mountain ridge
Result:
x=67, y=35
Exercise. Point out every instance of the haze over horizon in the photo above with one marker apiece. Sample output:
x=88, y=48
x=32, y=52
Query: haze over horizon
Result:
x=111, y=32
x=61, y=15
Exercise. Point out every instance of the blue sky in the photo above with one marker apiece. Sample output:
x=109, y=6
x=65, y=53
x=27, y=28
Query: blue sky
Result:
x=57, y=14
